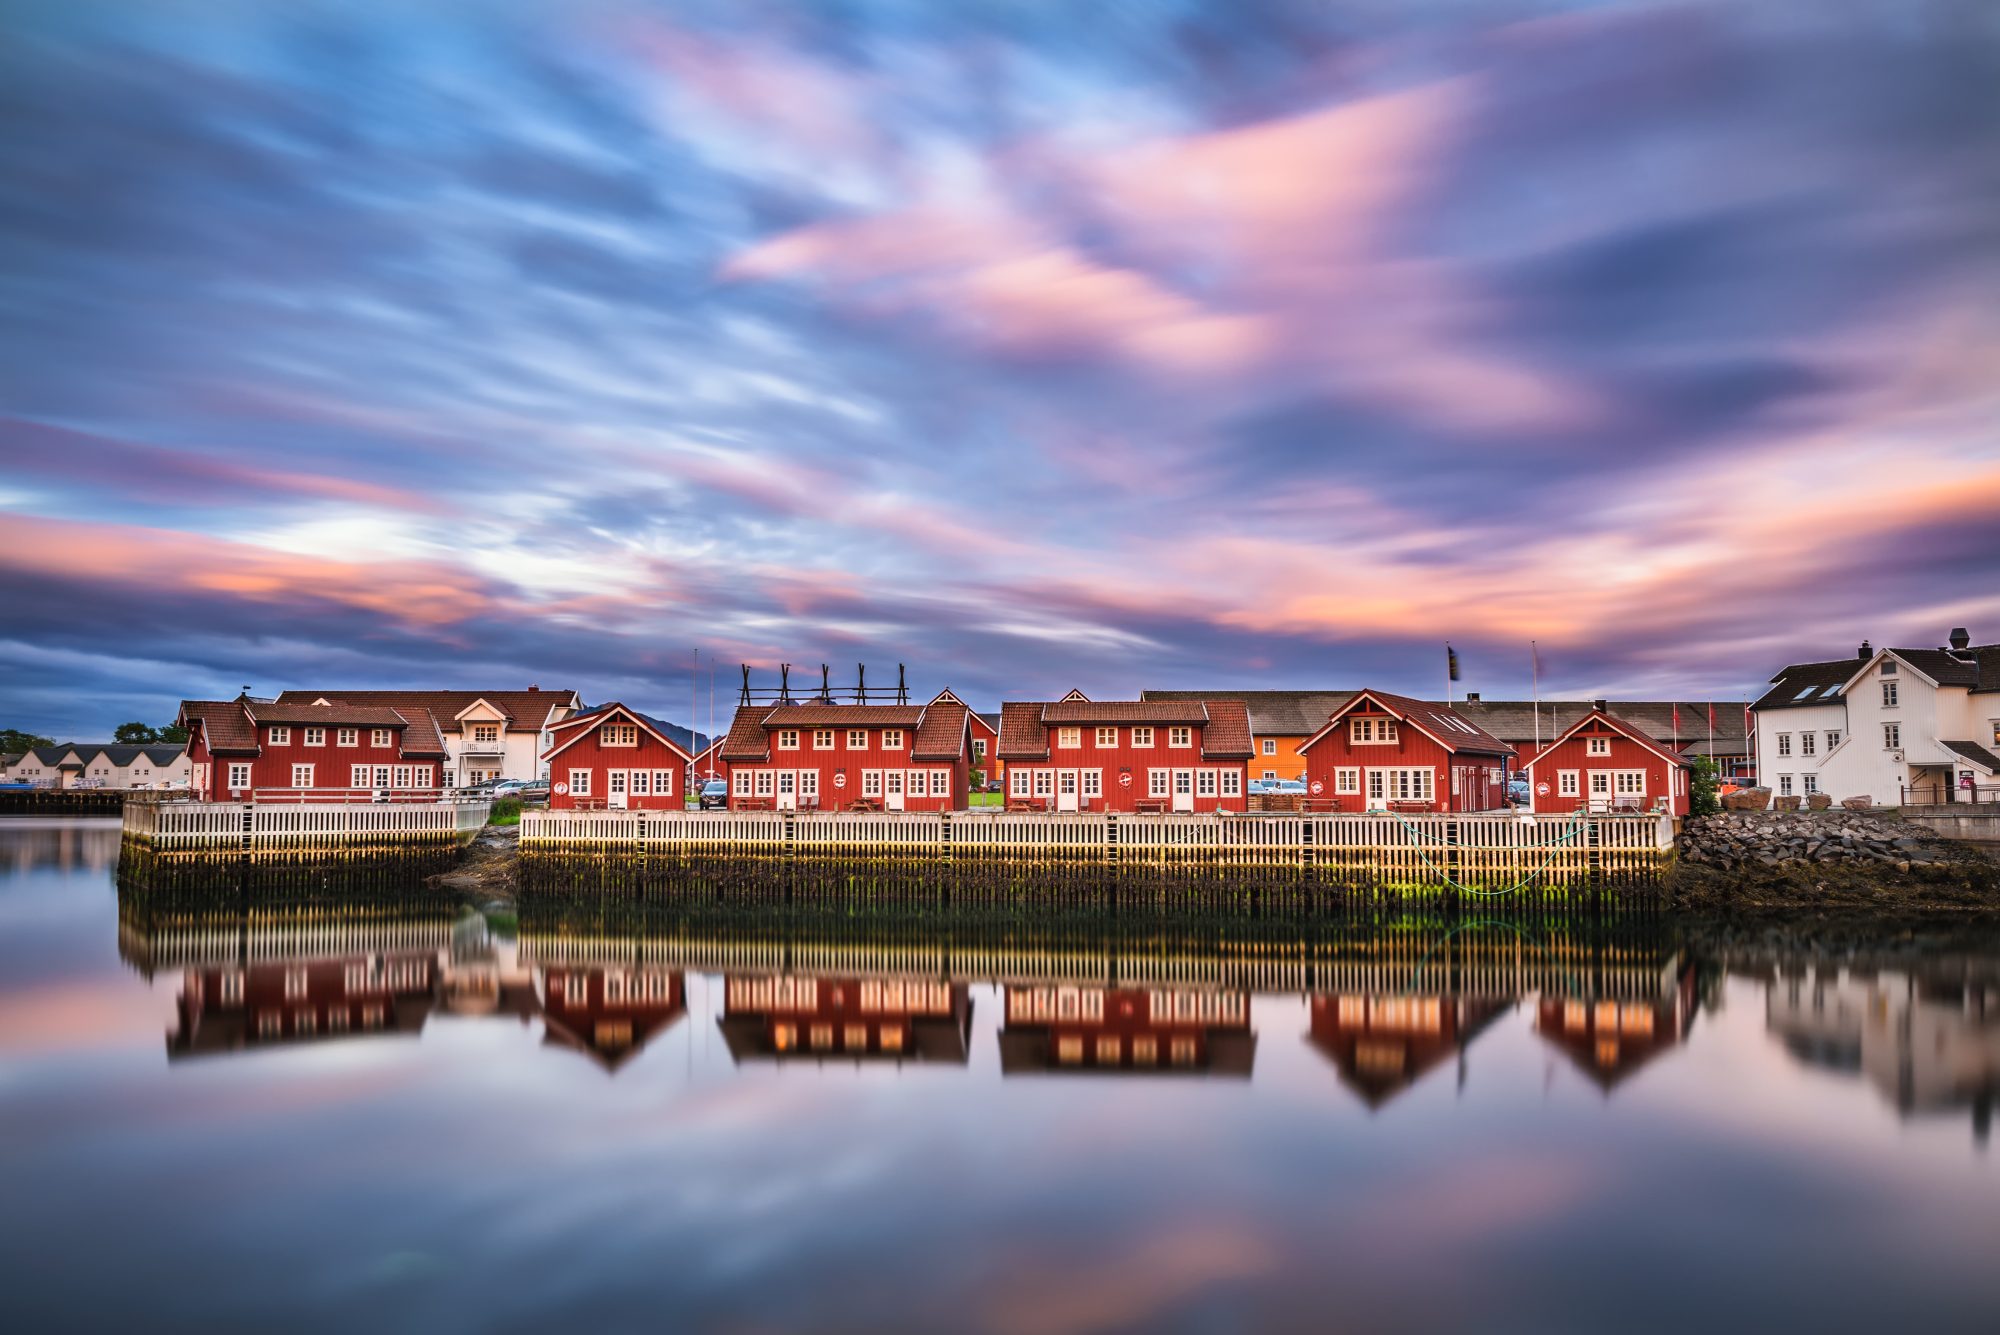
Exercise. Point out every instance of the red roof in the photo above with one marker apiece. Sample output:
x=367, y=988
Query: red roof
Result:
x=223, y=723
x=747, y=739
x=1024, y=725
x=345, y=716
x=942, y=734
x=1125, y=711
x=525, y=710
x=844, y=716
x=1624, y=727
x=1441, y=723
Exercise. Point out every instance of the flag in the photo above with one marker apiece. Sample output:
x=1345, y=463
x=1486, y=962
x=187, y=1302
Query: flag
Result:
x=1451, y=662
x=1711, y=716
x=1677, y=718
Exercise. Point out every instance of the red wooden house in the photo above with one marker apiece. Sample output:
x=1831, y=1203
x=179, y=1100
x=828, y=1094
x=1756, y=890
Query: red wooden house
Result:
x=1607, y=763
x=827, y=757
x=256, y=750
x=1382, y=752
x=1076, y=754
x=610, y=1013
x=984, y=730
x=1383, y=1043
x=786, y=1017
x=613, y=757
x=1184, y=1031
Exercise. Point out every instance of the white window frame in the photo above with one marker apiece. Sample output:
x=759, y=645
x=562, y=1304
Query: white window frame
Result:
x=347, y=737
x=1045, y=783
x=1597, y=746
x=618, y=734
x=1808, y=744
x=1406, y=783
x=239, y=774
x=892, y=739
x=1205, y=782
x=314, y=736
x=1159, y=782
x=280, y=735
x=1832, y=738
x=616, y=782
x=579, y=783
x=1628, y=783
x=1180, y=737
x=940, y=783
x=1892, y=736
x=1093, y=783
x=1017, y=781
x=823, y=739
x=1891, y=695
x=1069, y=739
x=1270, y=746
x=871, y=783
x=764, y=784
x=1232, y=782
x=857, y=739
x=1809, y=783
x=382, y=737
x=1784, y=743
x=1347, y=781
x=788, y=739
x=403, y=776
x=1784, y=785
x=1107, y=736
x=1142, y=736
x=358, y=775
x=1371, y=730
x=302, y=770
x=1569, y=783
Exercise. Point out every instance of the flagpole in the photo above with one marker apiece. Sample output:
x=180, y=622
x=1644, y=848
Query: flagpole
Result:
x=1535, y=678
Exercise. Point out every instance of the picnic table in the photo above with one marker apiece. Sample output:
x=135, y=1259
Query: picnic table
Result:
x=753, y=804
x=1151, y=806
x=1027, y=804
x=865, y=804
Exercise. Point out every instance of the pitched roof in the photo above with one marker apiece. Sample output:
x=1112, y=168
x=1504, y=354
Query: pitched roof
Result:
x=1443, y=724
x=1941, y=665
x=1513, y=721
x=1124, y=711
x=1022, y=734
x=342, y=715
x=942, y=733
x=843, y=716
x=1272, y=713
x=1626, y=727
x=527, y=710
x=224, y=723
x=1974, y=752
x=746, y=739
x=1228, y=730
x=1024, y=724
x=577, y=725
x=1802, y=684
x=124, y=754
x=1987, y=656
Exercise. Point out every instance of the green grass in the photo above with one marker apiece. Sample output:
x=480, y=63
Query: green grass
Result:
x=987, y=800
x=506, y=811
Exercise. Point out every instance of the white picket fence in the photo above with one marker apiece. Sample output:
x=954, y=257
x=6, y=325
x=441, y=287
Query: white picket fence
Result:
x=267, y=827
x=1482, y=846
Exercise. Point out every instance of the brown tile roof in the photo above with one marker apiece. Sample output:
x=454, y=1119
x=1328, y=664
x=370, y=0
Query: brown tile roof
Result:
x=942, y=734
x=1273, y=713
x=843, y=716
x=346, y=716
x=1228, y=732
x=223, y=723
x=525, y=710
x=1513, y=721
x=1451, y=728
x=424, y=737
x=1022, y=733
x=1124, y=711
x=746, y=739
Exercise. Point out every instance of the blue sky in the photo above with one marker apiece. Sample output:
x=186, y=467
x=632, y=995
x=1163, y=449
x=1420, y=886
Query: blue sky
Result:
x=1248, y=344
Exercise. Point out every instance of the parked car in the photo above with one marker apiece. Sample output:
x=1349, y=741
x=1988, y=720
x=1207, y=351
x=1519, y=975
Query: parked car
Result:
x=714, y=794
x=1517, y=792
x=1277, y=786
x=509, y=787
x=533, y=792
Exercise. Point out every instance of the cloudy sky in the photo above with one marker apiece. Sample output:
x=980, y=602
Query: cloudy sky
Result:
x=1033, y=345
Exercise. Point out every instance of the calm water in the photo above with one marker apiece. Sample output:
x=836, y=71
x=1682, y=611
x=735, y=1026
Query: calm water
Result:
x=212, y=1120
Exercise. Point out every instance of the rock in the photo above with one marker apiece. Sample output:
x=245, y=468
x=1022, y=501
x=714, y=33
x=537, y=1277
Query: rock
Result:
x=1747, y=799
x=1862, y=803
x=1786, y=804
x=1819, y=801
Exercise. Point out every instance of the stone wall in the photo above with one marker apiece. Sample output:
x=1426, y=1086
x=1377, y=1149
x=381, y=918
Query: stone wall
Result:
x=1747, y=840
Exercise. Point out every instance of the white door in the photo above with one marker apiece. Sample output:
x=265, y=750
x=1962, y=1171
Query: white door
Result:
x=614, y=789
x=1183, y=790
x=892, y=795
x=788, y=790
x=1066, y=790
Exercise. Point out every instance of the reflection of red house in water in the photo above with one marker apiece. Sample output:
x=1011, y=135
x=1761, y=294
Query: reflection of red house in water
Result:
x=1610, y=1037
x=786, y=1017
x=610, y=1014
x=1168, y=1031
x=1384, y=1044
x=229, y=1007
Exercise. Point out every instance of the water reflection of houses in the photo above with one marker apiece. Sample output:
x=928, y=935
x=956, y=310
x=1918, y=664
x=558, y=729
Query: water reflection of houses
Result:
x=1127, y=1030
x=1928, y=1042
x=1617, y=1009
x=1383, y=1044
x=610, y=1012
x=787, y=1017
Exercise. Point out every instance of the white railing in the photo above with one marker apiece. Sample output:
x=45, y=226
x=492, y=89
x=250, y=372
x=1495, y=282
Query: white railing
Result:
x=1486, y=845
x=258, y=826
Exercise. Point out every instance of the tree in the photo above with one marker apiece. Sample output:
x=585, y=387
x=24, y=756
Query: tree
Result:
x=13, y=741
x=135, y=733
x=1702, y=800
x=174, y=732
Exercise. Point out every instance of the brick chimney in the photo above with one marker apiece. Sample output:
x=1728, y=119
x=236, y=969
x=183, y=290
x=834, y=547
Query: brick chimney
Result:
x=1601, y=706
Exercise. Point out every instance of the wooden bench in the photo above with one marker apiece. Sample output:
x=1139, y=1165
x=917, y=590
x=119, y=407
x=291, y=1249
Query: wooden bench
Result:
x=866, y=805
x=753, y=804
x=1151, y=806
x=1028, y=804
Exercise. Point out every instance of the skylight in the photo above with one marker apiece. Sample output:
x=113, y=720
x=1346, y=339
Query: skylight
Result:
x=1806, y=692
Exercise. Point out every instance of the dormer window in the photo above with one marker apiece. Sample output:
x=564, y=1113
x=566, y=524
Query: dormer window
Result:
x=1597, y=746
x=1372, y=731
x=619, y=734
x=485, y=732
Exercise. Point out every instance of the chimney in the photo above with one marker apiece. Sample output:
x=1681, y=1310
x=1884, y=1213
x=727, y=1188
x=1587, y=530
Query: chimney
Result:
x=1601, y=706
x=534, y=688
x=1865, y=651
x=1960, y=638
x=1472, y=697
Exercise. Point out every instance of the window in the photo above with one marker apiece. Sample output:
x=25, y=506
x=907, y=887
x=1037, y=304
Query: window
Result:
x=1784, y=743
x=1569, y=783
x=382, y=776
x=1142, y=736
x=420, y=775
x=1892, y=735
x=1180, y=737
x=763, y=783
x=979, y=748
x=1784, y=785
x=1270, y=746
x=302, y=776
x=1232, y=783
x=1017, y=780
x=485, y=732
x=940, y=783
x=809, y=783
x=381, y=737
x=1107, y=736
x=1347, y=782
x=315, y=736
x=871, y=783
x=1093, y=783
x=1600, y=783
x=1832, y=738
x=348, y=737
x=579, y=782
x=1630, y=782
x=663, y=783
x=1269, y=775
x=1407, y=785
x=822, y=739
x=402, y=776
x=1888, y=695
x=1808, y=743
x=1045, y=784
x=788, y=739
x=857, y=739
x=358, y=776
x=1069, y=738
x=1376, y=788
x=1204, y=783
x=1372, y=731
x=232, y=987
x=614, y=783
x=239, y=775
x=892, y=739
x=281, y=736
x=1156, y=782
x=1811, y=782
x=618, y=734
x=1597, y=746
x=1888, y=667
